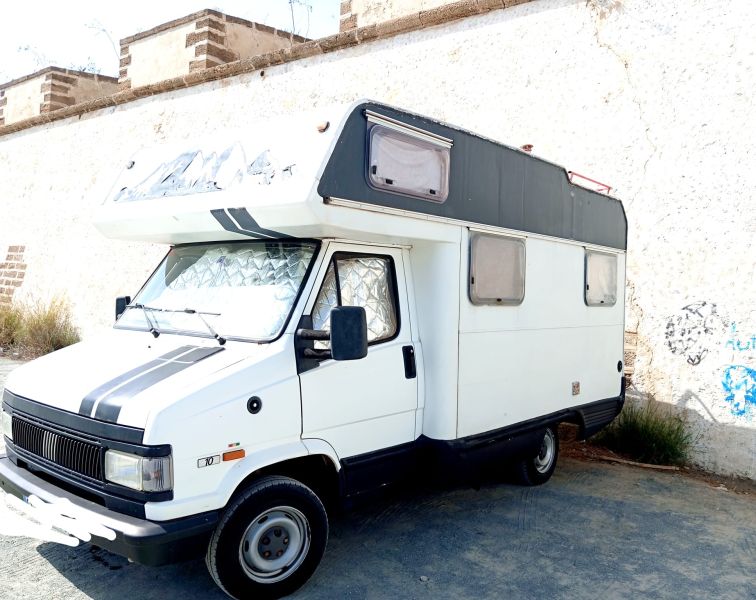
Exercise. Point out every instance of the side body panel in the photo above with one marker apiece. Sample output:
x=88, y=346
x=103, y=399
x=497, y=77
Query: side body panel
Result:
x=520, y=362
x=214, y=419
x=436, y=269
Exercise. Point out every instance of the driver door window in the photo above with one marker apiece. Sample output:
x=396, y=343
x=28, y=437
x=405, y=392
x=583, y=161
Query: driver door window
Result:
x=366, y=281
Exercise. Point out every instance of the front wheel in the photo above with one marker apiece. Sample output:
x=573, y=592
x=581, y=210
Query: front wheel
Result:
x=269, y=541
x=538, y=469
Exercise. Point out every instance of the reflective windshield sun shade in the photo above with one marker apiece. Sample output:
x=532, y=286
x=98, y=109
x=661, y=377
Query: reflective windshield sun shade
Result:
x=364, y=281
x=244, y=290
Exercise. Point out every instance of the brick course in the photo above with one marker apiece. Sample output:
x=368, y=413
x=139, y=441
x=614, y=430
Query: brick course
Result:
x=58, y=78
x=211, y=23
x=204, y=36
x=58, y=99
x=215, y=51
x=54, y=87
x=347, y=20
x=12, y=273
x=203, y=63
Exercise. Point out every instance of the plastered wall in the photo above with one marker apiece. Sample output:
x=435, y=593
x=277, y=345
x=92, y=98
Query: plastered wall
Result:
x=244, y=42
x=654, y=99
x=160, y=56
x=23, y=100
x=86, y=88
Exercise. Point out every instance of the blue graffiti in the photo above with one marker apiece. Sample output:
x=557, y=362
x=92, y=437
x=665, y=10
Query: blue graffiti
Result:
x=739, y=383
x=740, y=344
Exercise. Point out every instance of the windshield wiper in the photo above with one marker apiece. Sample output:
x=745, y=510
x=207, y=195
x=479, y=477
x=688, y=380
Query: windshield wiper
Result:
x=189, y=311
x=153, y=330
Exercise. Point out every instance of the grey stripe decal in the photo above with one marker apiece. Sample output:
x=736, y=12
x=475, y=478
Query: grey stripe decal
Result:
x=109, y=406
x=238, y=220
x=88, y=404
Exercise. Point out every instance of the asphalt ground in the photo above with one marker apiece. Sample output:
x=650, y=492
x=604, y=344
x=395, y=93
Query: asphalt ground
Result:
x=594, y=530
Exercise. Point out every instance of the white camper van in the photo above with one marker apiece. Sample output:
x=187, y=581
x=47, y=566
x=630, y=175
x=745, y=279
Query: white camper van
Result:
x=350, y=298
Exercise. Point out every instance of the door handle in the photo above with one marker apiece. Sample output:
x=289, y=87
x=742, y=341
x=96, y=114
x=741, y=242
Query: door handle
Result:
x=410, y=368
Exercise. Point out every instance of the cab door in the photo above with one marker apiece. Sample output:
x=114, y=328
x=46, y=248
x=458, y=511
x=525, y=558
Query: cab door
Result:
x=365, y=409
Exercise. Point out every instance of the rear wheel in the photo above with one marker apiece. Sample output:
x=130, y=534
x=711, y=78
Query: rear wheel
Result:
x=538, y=469
x=269, y=541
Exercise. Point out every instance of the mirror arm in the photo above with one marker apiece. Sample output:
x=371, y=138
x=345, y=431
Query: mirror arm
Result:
x=316, y=354
x=316, y=335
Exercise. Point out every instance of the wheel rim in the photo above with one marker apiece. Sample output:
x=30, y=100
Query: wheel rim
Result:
x=275, y=544
x=545, y=455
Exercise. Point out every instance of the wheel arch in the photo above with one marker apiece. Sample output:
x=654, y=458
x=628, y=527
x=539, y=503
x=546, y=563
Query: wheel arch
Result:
x=311, y=462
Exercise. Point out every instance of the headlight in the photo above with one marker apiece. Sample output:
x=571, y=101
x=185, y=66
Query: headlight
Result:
x=7, y=425
x=147, y=474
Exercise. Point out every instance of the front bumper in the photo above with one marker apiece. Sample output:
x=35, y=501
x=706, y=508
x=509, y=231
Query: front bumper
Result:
x=146, y=542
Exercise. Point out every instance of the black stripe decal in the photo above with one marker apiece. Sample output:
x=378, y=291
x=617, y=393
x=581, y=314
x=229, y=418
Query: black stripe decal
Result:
x=92, y=397
x=243, y=223
x=109, y=407
x=246, y=222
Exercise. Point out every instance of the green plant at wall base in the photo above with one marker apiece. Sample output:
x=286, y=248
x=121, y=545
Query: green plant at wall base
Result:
x=648, y=434
x=11, y=323
x=47, y=327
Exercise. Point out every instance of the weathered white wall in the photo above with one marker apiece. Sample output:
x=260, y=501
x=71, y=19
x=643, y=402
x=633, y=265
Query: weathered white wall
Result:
x=376, y=11
x=655, y=99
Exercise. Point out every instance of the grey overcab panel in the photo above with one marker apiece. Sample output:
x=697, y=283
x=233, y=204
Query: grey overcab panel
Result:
x=489, y=183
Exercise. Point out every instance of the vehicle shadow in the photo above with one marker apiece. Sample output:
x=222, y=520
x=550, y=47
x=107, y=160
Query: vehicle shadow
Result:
x=594, y=530
x=102, y=575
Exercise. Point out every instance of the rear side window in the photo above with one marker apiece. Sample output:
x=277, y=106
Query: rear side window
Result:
x=366, y=281
x=600, y=278
x=408, y=165
x=497, y=269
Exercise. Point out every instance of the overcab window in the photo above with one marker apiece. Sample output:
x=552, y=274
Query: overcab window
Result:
x=406, y=160
x=600, y=278
x=497, y=269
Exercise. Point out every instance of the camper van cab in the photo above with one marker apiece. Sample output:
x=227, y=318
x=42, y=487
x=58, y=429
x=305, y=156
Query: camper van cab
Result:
x=350, y=298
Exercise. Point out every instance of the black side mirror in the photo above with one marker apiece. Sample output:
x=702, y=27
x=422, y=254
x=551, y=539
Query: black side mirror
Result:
x=348, y=333
x=121, y=304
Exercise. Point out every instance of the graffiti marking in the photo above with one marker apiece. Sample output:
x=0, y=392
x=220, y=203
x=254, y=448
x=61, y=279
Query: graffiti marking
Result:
x=687, y=333
x=739, y=383
x=740, y=344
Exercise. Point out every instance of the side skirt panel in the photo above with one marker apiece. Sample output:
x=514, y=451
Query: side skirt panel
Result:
x=461, y=459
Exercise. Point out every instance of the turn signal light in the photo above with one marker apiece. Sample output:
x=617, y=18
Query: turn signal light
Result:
x=233, y=455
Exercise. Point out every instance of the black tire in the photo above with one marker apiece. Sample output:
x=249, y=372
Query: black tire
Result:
x=538, y=469
x=284, y=516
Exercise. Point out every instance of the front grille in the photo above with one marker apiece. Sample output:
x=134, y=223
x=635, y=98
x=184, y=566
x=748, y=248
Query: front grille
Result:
x=66, y=451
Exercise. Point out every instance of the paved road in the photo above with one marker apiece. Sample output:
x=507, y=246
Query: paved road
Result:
x=594, y=531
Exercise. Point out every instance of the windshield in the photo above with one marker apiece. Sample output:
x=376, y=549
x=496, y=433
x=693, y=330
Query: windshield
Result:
x=242, y=290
